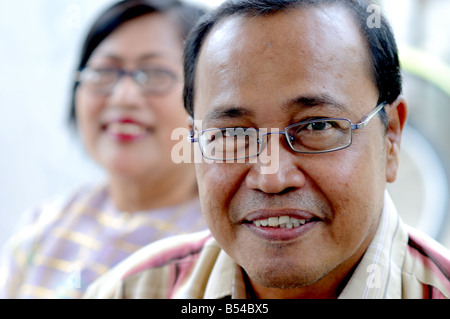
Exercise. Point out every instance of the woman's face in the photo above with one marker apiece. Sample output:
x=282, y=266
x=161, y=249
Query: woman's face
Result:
x=128, y=130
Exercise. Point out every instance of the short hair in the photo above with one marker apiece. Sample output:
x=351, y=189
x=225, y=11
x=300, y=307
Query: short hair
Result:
x=185, y=16
x=380, y=42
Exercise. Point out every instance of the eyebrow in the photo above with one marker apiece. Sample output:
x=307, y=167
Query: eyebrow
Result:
x=147, y=56
x=228, y=112
x=303, y=101
x=309, y=101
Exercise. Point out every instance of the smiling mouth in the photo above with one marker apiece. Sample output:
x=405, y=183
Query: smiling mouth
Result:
x=282, y=222
x=126, y=130
x=281, y=227
x=133, y=129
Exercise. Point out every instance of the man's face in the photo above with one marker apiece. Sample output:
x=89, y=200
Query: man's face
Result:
x=270, y=72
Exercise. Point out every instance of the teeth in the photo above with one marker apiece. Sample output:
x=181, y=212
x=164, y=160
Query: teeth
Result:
x=273, y=221
x=281, y=222
x=284, y=220
x=126, y=128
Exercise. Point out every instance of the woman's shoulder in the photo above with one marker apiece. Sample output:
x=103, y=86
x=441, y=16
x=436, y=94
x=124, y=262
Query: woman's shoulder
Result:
x=54, y=208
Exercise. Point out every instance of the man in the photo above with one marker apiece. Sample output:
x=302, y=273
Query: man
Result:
x=315, y=88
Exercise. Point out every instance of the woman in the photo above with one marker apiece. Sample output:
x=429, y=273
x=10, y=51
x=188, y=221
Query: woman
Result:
x=126, y=102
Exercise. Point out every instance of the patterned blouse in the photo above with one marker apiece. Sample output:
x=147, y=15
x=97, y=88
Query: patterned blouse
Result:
x=66, y=244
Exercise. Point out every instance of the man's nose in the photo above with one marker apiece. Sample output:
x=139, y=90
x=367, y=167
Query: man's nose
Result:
x=276, y=170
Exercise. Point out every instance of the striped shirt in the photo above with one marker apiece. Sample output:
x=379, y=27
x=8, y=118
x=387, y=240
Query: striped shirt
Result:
x=399, y=263
x=66, y=244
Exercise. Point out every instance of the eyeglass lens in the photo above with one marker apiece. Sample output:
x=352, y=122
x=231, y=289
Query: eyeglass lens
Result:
x=151, y=80
x=307, y=137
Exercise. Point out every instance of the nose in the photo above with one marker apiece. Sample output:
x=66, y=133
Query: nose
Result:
x=277, y=169
x=126, y=92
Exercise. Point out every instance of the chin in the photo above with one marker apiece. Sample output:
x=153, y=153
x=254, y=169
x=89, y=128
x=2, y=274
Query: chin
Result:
x=126, y=169
x=287, y=277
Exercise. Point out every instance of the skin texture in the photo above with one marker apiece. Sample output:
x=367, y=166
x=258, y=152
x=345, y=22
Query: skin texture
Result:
x=270, y=72
x=141, y=172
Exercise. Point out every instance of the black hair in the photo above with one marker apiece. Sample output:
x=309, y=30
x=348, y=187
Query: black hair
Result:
x=186, y=15
x=379, y=36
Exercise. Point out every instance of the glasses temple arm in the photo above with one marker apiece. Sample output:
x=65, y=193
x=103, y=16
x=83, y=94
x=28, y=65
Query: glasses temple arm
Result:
x=369, y=116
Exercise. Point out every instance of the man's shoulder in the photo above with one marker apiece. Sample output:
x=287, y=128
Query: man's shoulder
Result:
x=428, y=264
x=155, y=260
x=168, y=250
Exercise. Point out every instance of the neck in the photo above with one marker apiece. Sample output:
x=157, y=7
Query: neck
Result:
x=132, y=195
x=323, y=289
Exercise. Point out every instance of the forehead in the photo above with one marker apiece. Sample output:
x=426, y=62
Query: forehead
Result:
x=138, y=36
x=271, y=59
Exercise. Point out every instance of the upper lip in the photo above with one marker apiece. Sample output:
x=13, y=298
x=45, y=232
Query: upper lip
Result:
x=125, y=119
x=268, y=213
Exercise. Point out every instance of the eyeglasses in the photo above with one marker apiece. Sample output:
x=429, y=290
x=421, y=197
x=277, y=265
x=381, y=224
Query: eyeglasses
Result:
x=309, y=137
x=103, y=80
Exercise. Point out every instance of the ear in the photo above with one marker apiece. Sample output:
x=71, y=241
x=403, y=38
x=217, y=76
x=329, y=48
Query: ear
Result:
x=190, y=123
x=397, y=113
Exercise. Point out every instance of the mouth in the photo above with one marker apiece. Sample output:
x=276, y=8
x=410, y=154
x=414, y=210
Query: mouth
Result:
x=281, y=227
x=282, y=222
x=126, y=130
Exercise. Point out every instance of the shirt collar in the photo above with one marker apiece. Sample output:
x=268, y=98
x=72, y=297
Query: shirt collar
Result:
x=226, y=279
x=221, y=281
x=378, y=275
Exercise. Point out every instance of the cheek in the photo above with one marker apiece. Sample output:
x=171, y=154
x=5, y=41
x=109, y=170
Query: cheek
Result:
x=218, y=184
x=354, y=190
x=359, y=172
x=88, y=110
x=170, y=115
x=169, y=106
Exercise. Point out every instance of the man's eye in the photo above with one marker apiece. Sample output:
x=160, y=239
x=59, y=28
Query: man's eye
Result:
x=318, y=126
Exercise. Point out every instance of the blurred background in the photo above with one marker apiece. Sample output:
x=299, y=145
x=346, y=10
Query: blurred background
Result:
x=40, y=157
